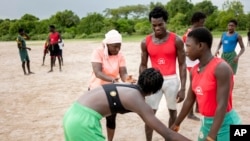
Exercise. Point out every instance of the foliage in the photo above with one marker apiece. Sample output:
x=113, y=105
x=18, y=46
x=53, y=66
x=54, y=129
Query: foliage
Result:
x=92, y=23
x=128, y=20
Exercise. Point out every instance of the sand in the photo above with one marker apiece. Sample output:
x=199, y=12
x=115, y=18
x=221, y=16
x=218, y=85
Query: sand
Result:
x=32, y=107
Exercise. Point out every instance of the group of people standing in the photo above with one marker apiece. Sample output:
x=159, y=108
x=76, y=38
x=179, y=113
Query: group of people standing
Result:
x=211, y=82
x=53, y=45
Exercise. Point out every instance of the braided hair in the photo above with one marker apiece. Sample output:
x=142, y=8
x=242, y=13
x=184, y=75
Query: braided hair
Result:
x=150, y=81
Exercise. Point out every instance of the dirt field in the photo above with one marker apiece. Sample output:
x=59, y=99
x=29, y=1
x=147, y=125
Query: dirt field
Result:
x=32, y=107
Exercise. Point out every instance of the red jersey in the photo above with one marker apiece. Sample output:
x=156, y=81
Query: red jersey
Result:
x=163, y=56
x=54, y=37
x=204, y=86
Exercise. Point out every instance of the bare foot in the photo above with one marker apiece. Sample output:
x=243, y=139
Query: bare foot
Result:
x=193, y=117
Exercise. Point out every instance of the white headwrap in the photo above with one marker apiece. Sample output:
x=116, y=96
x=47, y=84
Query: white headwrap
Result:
x=113, y=36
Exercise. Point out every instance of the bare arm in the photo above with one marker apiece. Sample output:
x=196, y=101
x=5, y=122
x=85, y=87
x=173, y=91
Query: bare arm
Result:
x=218, y=48
x=19, y=44
x=186, y=107
x=144, y=57
x=223, y=78
x=60, y=38
x=97, y=68
x=242, y=47
x=182, y=68
x=138, y=105
x=123, y=73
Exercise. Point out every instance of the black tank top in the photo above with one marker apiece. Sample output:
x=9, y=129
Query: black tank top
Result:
x=115, y=104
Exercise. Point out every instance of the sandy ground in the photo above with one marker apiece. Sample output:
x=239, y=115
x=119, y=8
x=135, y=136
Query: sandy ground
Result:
x=32, y=107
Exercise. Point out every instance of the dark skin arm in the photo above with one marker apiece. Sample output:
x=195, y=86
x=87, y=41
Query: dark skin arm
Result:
x=187, y=105
x=182, y=68
x=144, y=57
x=218, y=48
x=25, y=36
x=223, y=76
x=242, y=49
x=136, y=103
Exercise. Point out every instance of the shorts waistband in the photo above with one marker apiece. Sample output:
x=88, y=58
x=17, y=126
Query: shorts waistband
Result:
x=172, y=76
x=228, y=113
x=87, y=109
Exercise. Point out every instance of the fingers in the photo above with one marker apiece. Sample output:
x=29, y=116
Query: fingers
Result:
x=175, y=128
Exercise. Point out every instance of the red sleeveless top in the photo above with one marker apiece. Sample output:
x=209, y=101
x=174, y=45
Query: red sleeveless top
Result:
x=163, y=56
x=204, y=86
x=54, y=37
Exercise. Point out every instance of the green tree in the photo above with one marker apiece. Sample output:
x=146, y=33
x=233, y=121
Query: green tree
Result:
x=29, y=17
x=132, y=11
x=177, y=23
x=65, y=19
x=178, y=6
x=4, y=27
x=206, y=6
x=143, y=26
x=125, y=26
x=92, y=23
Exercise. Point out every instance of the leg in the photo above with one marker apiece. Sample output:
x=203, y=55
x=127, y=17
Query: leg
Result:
x=28, y=66
x=61, y=51
x=153, y=101
x=110, y=123
x=149, y=131
x=23, y=66
x=51, y=63
x=43, y=59
x=59, y=61
x=172, y=117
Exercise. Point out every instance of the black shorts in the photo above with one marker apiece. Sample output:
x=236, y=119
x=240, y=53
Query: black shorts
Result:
x=54, y=50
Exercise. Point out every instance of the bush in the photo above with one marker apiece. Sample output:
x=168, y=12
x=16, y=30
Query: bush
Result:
x=67, y=35
x=81, y=36
x=8, y=37
x=39, y=37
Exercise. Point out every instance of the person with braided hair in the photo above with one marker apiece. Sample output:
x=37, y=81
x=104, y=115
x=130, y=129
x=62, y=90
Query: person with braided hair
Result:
x=82, y=120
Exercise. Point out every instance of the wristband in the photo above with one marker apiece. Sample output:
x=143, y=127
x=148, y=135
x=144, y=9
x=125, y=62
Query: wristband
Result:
x=210, y=139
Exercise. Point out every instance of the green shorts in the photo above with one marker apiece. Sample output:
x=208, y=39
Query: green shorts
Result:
x=229, y=58
x=231, y=118
x=81, y=123
x=24, y=56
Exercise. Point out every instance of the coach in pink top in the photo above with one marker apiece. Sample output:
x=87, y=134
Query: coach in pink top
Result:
x=109, y=66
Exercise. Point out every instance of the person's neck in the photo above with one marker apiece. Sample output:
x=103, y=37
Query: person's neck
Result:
x=205, y=59
x=162, y=36
x=230, y=33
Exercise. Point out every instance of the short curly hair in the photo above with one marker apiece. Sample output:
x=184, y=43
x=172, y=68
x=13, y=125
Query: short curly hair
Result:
x=202, y=34
x=158, y=12
x=197, y=16
x=150, y=81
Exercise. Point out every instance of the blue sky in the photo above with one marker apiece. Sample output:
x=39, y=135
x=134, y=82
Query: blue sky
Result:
x=43, y=9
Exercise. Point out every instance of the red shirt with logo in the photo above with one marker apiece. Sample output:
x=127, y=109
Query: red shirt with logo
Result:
x=163, y=55
x=54, y=37
x=204, y=86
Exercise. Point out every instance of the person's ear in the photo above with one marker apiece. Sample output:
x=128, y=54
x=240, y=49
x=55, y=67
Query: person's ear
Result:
x=201, y=45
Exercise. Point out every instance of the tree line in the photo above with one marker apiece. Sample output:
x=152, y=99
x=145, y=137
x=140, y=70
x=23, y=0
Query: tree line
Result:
x=128, y=20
